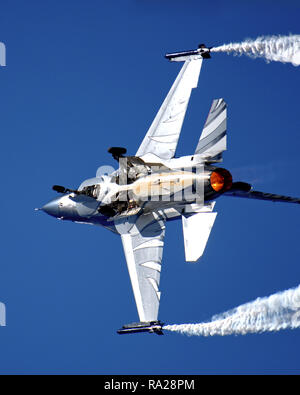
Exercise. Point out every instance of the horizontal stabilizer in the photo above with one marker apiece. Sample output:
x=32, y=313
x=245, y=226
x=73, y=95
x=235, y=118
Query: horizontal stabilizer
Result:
x=212, y=141
x=196, y=231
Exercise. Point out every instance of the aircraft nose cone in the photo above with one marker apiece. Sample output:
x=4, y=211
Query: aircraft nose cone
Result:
x=52, y=208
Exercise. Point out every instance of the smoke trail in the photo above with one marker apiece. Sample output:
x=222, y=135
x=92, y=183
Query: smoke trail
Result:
x=284, y=49
x=273, y=313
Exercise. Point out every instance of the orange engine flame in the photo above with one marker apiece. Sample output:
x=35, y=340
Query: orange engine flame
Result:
x=220, y=180
x=216, y=181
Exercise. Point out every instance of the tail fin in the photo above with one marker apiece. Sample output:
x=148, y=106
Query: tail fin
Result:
x=251, y=194
x=212, y=141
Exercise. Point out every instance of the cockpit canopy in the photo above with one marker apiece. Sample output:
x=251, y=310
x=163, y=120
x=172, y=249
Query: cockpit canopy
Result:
x=91, y=187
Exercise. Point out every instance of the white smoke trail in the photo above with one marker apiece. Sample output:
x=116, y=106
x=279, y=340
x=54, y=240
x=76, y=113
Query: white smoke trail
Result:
x=284, y=49
x=273, y=313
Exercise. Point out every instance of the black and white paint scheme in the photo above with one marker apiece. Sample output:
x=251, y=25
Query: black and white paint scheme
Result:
x=153, y=187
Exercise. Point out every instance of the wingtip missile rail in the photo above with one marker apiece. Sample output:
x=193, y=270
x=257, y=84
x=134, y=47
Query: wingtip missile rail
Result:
x=139, y=327
x=202, y=50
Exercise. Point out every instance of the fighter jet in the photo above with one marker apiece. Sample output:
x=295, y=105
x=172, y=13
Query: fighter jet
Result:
x=153, y=187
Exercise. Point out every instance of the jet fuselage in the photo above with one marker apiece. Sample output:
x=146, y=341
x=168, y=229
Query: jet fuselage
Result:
x=102, y=200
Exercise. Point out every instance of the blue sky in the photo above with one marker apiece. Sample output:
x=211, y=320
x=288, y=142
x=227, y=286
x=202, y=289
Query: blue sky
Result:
x=82, y=76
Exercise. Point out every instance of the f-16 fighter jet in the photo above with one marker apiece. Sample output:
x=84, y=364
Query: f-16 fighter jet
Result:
x=153, y=187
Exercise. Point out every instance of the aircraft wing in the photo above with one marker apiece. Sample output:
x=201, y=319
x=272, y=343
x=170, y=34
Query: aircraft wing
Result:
x=143, y=246
x=162, y=137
